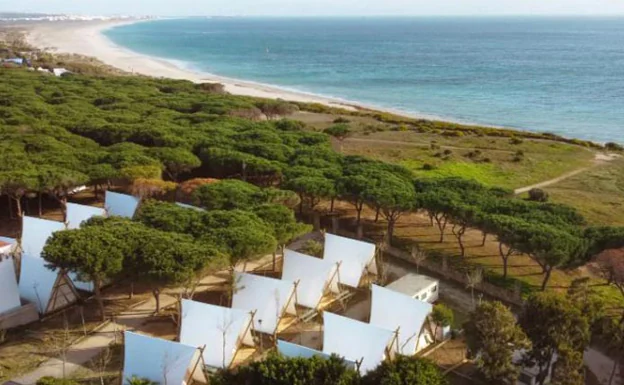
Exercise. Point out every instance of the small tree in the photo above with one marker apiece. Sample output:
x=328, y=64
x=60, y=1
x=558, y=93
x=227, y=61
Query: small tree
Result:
x=405, y=370
x=442, y=316
x=493, y=336
x=473, y=280
x=418, y=256
x=93, y=254
x=312, y=247
x=339, y=131
x=538, y=195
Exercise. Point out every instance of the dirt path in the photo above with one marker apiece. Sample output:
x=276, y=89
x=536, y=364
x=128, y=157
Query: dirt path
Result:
x=599, y=160
x=423, y=145
x=136, y=318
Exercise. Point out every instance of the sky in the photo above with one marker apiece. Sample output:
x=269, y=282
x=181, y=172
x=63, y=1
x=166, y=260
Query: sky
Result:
x=317, y=7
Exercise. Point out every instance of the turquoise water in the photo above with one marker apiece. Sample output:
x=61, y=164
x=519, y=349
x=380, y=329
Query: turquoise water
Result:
x=560, y=75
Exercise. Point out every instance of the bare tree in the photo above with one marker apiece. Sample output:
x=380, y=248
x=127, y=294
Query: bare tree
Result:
x=474, y=279
x=224, y=328
x=418, y=256
x=102, y=362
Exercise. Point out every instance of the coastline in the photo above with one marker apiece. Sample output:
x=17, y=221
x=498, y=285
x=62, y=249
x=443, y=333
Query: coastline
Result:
x=86, y=38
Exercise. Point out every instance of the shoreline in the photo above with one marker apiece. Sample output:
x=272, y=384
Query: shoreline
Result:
x=86, y=38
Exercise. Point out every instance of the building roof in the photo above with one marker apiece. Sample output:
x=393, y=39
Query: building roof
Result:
x=355, y=340
x=270, y=298
x=158, y=360
x=393, y=310
x=121, y=205
x=354, y=257
x=313, y=274
x=412, y=284
x=290, y=350
x=218, y=328
x=36, y=284
x=9, y=292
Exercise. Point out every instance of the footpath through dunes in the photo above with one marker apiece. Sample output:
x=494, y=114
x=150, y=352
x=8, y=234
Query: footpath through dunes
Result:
x=599, y=160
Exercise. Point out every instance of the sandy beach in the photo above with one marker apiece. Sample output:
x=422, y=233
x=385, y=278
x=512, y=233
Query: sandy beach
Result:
x=86, y=38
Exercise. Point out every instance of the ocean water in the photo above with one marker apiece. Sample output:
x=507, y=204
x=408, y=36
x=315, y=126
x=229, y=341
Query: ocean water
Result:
x=560, y=75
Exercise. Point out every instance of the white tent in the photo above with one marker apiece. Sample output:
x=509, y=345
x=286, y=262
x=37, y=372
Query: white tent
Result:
x=270, y=298
x=120, y=205
x=35, y=234
x=161, y=361
x=316, y=277
x=47, y=289
x=76, y=214
x=9, y=293
x=220, y=329
x=355, y=257
x=184, y=205
x=7, y=245
x=290, y=350
x=392, y=310
x=357, y=341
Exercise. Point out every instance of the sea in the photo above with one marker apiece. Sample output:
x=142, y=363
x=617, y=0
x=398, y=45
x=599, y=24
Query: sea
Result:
x=562, y=75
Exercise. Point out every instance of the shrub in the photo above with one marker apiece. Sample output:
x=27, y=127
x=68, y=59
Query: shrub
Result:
x=538, y=195
x=312, y=247
x=448, y=152
x=341, y=119
x=486, y=160
x=428, y=167
x=516, y=141
x=611, y=146
x=454, y=134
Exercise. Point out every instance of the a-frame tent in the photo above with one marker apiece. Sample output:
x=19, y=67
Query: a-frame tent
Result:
x=223, y=331
x=48, y=290
x=120, y=205
x=271, y=300
x=396, y=311
x=77, y=214
x=9, y=292
x=357, y=341
x=161, y=361
x=316, y=277
x=355, y=257
x=291, y=350
x=35, y=234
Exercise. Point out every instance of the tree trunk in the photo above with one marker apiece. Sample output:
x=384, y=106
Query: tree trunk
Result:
x=612, y=377
x=484, y=239
x=316, y=221
x=63, y=201
x=156, y=294
x=18, y=204
x=300, y=204
x=504, y=257
x=274, y=260
x=359, y=215
x=360, y=231
x=390, y=231
x=40, y=204
x=546, y=277
x=10, y=204
x=441, y=227
x=331, y=205
x=377, y=214
x=131, y=293
x=431, y=219
x=97, y=286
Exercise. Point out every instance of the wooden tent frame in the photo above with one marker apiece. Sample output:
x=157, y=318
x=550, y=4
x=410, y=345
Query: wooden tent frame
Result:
x=62, y=280
x=190, y=379
x=327, y=288
x=283, y=310
x=239, y=340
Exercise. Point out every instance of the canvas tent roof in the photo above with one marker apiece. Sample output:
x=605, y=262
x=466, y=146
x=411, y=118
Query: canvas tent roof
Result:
x=354, y=256
x=290, y=350
x=391, y=310
x=120, y=205
x=219, y=329
x=314, y=275
x=76, y=214
x=355, y=340
x=43, y=287
x=9, y=292
x=35, y=234
x=158, y=360
x=270, y=298
x=7, y=245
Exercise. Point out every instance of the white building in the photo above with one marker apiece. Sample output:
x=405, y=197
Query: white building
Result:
x=417, y=286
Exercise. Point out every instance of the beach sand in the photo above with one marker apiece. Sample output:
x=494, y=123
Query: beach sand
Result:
x=86, y=38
